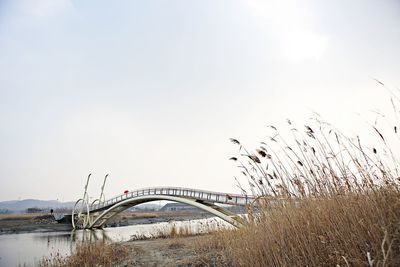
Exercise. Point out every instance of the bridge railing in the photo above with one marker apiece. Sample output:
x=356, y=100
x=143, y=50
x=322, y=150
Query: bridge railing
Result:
x=214, y=197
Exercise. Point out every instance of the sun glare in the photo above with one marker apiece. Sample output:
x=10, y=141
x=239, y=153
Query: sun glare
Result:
x=293, y=27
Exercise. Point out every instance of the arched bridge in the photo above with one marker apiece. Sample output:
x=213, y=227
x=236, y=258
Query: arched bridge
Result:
x=96, y=214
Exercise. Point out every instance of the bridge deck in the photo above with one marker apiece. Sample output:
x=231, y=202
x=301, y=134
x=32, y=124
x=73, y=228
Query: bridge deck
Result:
x=200, y=195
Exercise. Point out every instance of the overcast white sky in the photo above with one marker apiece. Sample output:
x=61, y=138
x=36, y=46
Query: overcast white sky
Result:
x=151, y=91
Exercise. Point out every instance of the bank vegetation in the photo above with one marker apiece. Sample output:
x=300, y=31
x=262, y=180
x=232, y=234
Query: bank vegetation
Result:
x=323, y=200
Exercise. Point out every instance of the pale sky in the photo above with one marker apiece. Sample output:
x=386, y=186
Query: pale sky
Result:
x=151, y=91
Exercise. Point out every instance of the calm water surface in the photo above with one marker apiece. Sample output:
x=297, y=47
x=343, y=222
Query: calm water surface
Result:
x=27, y=249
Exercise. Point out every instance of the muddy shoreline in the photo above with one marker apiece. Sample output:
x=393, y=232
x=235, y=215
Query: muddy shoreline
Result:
x=31, y=223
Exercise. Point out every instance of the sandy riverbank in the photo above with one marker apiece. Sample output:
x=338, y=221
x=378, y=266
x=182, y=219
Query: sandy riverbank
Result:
x=172, y=251
x=179, y=251
x=27, y=223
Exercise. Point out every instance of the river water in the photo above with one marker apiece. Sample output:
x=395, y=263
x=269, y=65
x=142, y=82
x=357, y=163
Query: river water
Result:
x=27, y=249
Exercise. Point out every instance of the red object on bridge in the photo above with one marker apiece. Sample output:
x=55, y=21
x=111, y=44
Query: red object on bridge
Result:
x=126, y=191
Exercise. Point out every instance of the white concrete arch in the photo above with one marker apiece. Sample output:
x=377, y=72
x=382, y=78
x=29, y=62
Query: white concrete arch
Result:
x=220, y=212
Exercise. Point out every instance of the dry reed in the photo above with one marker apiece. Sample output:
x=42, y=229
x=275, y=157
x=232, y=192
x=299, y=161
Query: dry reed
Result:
x=87, y=255
x=323, y=200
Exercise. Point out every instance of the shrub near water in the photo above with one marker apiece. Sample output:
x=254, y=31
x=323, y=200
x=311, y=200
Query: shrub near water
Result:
x=326, y=201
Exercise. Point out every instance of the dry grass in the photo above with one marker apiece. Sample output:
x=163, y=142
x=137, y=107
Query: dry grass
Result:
x=132, y=215
x=347, y=230
x=87, y=255
x=172, y=231
x=136, y=215
x=180, y=231
x=324, y=200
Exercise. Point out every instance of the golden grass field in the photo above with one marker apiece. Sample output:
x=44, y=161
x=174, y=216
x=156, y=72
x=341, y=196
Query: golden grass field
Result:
x=324, y=200
x=350, y=230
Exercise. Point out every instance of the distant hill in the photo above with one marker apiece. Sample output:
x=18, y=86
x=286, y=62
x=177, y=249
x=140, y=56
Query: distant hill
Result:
x=23, y=205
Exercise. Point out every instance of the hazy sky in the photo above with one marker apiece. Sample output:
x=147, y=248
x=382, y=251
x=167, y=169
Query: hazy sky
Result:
x=151, y=91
